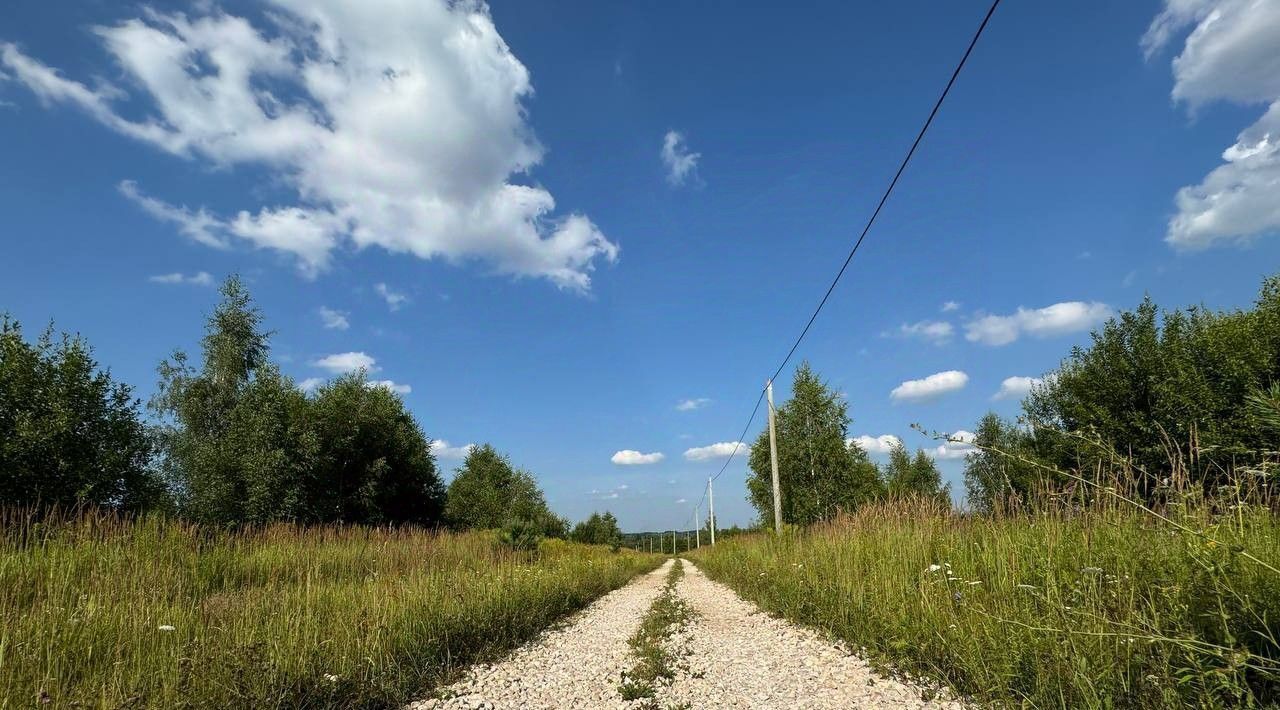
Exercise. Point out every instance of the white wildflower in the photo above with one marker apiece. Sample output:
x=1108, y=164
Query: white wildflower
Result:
x=934, y=567
x=165, y=627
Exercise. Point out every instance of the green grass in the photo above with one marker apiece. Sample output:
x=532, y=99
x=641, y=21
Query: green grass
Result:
x=1102, y=608
x=655, y=663
x=280, y=617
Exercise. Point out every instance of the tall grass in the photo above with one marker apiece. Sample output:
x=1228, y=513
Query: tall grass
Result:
x=99, y=611
x=1064, y=606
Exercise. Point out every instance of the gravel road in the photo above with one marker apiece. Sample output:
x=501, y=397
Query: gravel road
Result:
x=732, y=655
x=577, y=665
x=739, y=657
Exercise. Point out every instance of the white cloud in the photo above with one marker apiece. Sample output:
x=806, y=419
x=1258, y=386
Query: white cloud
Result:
x=336, y=320
x=933, y=386
x=623, y=487
x=882, y=444
x=391, y=386
x=200, y=278
x=958, y=445
x=397, y=125
x=681, y=163
x=681, y=500
x=442, y=449
x=1016, y=387
x=630, y=457
x=714, y=451
x=688, y=405
x=342, y=363
x=950, y=306
x=393, y=298
x=932, y=331
x=1231, y=54
x=311, y=383
x=1058, y=319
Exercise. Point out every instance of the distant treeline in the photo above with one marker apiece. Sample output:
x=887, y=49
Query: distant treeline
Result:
x=233, y=441
x=1159, y=400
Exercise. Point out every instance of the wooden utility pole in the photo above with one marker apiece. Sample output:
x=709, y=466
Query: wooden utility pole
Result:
x=711, y=511
x=773, y=463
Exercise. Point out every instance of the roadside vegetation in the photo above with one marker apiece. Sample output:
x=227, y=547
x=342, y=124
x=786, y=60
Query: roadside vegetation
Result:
x=1120, y=546
x=247, y=541
x=102, y=611
x=655, y=663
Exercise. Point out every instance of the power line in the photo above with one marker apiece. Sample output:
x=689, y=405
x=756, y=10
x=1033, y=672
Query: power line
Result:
x=865, y=230
x=889, y=190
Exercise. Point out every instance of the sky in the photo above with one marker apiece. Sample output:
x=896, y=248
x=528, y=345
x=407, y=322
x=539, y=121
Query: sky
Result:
x=588, y=232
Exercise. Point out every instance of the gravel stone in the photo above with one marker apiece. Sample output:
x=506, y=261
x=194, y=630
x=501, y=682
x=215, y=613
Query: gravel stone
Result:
x=736, y=656
x=578, y=665
x=730, y=655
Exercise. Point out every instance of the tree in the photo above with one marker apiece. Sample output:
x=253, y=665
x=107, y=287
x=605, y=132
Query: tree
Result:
x=488, y=492
x=1151, y=385
x=234, y=432
x=69, y=433
x=373, y=464
x=598, y=530
x=819, y=473
x=910, y=477
x=998, y=468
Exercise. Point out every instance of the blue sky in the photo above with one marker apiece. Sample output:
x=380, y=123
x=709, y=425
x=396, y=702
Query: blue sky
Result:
x=550, y=223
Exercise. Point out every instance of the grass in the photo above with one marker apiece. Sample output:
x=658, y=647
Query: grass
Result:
x=98, y=611
x=655, y=663
x=1097, y=607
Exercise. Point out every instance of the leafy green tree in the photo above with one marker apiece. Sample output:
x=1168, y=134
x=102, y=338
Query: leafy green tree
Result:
x=234, y=434
x=488, y=492
x=372, y=463
x=910, y=477
x=818, y=472
x=1151, y=385
x=69, y=433
x=996, y=470
x=599, y=529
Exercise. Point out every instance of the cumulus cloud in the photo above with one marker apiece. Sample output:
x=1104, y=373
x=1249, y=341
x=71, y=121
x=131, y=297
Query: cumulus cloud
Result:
x=1016, y=387
x=931, y=387
x=958, y=445
x=682, y=165
x=931, y=331
x=393, y=298
x=200, y=278
x=1058, y=319
x=444, y=450
x=391, y=386
x=882, y=444
x=713, y=451
x=630, y=457
x=335, y=320
x=342, y=363
x=396, y=125
x=688, y=405
x=1231, y=54
x=311, y=383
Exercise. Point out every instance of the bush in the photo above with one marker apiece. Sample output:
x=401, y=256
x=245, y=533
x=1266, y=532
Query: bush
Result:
x=521, y=535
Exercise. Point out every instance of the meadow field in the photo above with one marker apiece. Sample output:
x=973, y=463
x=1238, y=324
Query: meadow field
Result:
x=1100, y=606
x=102, y=611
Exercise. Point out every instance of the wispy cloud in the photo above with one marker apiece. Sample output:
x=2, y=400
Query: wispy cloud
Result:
x=930, y=331
x=335, y=320
x=682, y=164
x=688, y=405
x=394, y=298
x=200, y=278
